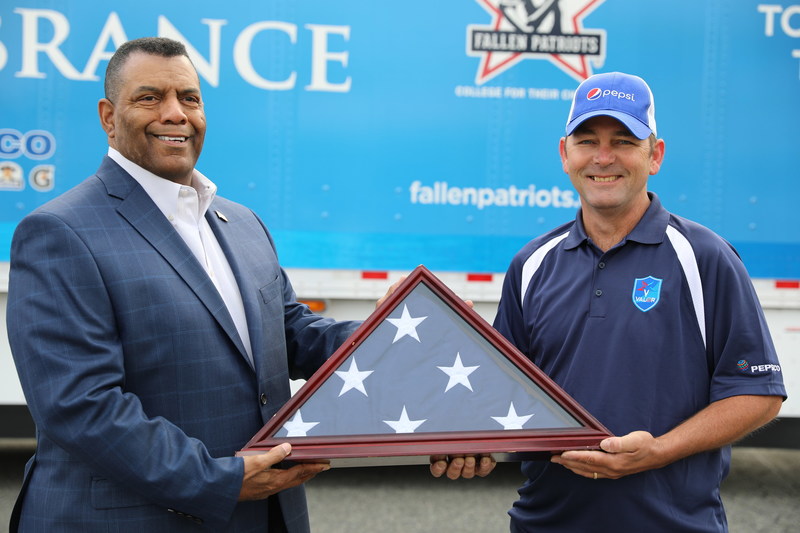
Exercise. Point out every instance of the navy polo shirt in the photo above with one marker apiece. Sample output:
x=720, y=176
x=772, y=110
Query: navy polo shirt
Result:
x=643, y=336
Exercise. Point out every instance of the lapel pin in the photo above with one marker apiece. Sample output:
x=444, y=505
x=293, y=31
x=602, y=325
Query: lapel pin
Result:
x=221, y=216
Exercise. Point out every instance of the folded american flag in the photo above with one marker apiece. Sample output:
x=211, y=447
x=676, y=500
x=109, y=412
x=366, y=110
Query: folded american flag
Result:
x=426, y=364
x=425, y=369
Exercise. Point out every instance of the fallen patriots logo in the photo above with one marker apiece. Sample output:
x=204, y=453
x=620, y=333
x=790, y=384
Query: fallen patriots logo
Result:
x=646, y=292
x=550, y=30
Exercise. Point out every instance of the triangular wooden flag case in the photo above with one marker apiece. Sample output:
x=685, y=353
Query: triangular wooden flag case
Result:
x=425, y=375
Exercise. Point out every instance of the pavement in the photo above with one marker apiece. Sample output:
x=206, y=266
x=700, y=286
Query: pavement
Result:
x=761, y=495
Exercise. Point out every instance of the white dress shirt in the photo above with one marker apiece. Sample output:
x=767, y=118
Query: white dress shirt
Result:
x=185, y=208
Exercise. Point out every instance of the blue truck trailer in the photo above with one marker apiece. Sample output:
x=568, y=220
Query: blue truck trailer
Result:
x=372, y=137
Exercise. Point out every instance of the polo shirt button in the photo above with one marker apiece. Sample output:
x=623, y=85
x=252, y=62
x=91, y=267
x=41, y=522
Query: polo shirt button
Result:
x=598, y=292
x=601, y=265
x=263, y=399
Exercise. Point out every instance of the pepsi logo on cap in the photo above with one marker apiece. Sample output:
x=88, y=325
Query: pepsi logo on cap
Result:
x=594, y=94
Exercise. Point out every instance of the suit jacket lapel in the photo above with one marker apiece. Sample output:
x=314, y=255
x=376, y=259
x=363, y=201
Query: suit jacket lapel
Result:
x=141, y=212
x=248, y=291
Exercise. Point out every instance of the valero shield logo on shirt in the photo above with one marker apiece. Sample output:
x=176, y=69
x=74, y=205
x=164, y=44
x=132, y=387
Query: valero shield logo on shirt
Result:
x=646, y=292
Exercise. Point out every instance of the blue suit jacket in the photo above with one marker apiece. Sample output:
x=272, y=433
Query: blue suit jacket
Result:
x=133, y=370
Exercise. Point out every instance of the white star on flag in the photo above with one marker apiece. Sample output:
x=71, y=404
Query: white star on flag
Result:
x=296, y=427
x=404, y=425
x=375, y=386
x=459, y=374
x=353, y=378
x=406, y=325
x=512, y=420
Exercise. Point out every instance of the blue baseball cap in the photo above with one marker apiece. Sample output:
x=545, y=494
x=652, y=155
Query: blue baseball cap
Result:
x=624, y=97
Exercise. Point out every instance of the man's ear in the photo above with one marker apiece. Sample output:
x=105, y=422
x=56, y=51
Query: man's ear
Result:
x=657, y=157
x=105, y=108
x=562, y=149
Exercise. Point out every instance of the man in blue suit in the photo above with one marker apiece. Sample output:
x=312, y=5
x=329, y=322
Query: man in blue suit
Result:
x=155, y=333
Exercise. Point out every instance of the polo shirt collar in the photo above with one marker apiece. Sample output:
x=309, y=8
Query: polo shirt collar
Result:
x=651, y=229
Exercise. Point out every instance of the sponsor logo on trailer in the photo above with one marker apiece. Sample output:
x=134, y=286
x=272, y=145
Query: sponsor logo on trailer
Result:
x=34, y=145
x=545, y=30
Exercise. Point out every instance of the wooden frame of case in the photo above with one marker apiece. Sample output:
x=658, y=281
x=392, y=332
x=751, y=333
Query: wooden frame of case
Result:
x=417, y=448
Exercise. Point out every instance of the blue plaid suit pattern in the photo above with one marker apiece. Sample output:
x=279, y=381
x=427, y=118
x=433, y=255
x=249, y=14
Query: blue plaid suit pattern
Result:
x=133, y=370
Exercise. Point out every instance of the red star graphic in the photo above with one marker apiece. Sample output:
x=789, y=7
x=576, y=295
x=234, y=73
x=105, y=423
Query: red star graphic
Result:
x=488, y=70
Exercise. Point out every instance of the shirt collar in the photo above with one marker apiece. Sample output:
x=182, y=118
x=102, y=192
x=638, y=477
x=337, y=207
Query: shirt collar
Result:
x=163, y=192
x=650, y=229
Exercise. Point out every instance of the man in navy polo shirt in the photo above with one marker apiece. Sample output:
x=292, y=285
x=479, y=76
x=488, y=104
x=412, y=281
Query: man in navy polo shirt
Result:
x=647, y=319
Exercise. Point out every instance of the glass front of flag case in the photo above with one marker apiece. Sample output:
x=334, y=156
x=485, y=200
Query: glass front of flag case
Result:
x=425, y=375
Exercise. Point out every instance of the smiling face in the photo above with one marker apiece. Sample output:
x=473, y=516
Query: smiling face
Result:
x=609, y=167
x=157, y=119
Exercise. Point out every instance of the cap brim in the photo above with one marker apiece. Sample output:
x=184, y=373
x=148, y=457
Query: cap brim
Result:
x=639, y=130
